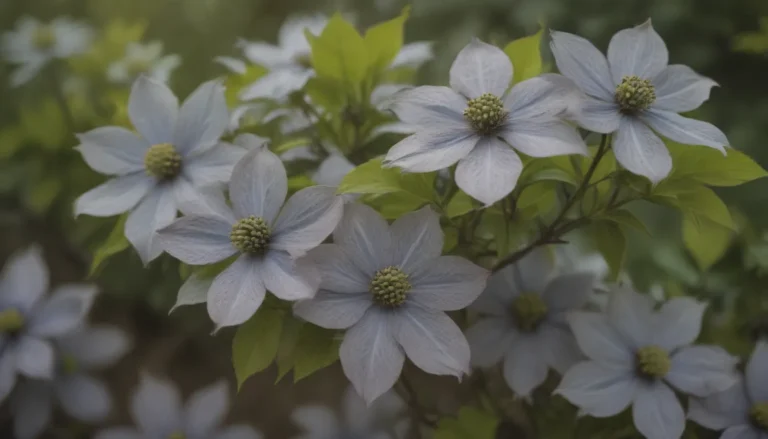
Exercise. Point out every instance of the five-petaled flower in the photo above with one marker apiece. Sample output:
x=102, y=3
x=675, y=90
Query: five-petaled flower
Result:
x=177, y=153
x=143, y=59
x=636, y=353
x=525, y=310
x=634, y=93
x=389, y=287
x=474, y=123
x=269, y=237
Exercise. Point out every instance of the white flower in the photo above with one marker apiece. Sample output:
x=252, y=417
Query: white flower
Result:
x=176, y=153
x=78, y=393
x=525, y=325
x=389, y=287
x=636, y=353
x=332, y=170
x=475, y=121
x=143, y=59
x=270, y=237
x=157, y=409
x=634, y=93
x=33, y=44
x=384, y=419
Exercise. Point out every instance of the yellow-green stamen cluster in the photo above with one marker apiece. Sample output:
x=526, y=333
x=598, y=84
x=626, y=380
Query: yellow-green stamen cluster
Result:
x=11, y=320
x=652, y=362
x=251, y=235
x=389, y=286
x=635, y=94
x=529, y=310
x=177, y=435
x=759, y=415
x=162, y=161
x=43, y=38
x=485, y=113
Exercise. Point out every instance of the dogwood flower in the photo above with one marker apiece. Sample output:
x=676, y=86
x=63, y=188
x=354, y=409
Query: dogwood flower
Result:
x=634, y=93
x=742, y=410
x=270, y=237
x=34, y=44
x=176, y=153
x=524, y=321
x=475, y=121
x=157, y=409
x=389, y=287
x=143, y=59
x=28, y=320
x=381, y=420
x=636, y=353
x=79, y=394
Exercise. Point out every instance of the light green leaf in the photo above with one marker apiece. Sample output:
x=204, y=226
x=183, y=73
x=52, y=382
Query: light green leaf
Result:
x=316, y=348
x=255, y=343
x=525, y=54
x=385, y=40
x=298, y=182
x=470, y=423
x=372, y=178
x=711, y=167
x=115, y=243
x=706, y=240
x=293, y=143
x=340, y=52
x=625, y=218
x=395, y=204
x=704, y=202
x=611, y=243
x=460, y=204
x=285, y=353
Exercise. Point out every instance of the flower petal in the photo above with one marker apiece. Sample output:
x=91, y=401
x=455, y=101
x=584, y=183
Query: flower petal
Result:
x=757, y=380
x=721, y=410
x=155, y=211
x=365, y=237
x=430, y=106
x=7, y=373
x=542, y=97
x=259, y=185
x=432, y=341
x=413, y=55
x=31, y=407
x=599, y=340
x=744, y=431
x=498, y=294
x=524, y=368
x=153, y=109
x=84, y=398
x=490, y=172
x=678, y=322
x=203, y=118
x=489, y=340
x=680, y=89
x=34, y=358
x=276, y=85
x=533, y=272
x=208, y=201
x=638, y=51
x=206, y=409
x=156, y=405
x=684, y=130
x=580, y=61
x=657, y=413
x=119, y=433
x=370, y=356
x=264, y=54
x=598, y=389
x=569, y=291
x=340, y=273
x=116, y=196
x=214, y=165
x=544, y=139
x=334, y=310
x=307, y=218
x=289, y=278
x=702, y=370
x=632, y=315
x=113, y=150
x=641, y=151
x=447, y=283
x=236, y=293
x=24, y=280
x=481, y=68
x=197, y=240
x=598, y=116
x=332, y=170
x=558, y=348
x=417, y=239
x=317, y=421
x=95, y=347
x=64, y=311
x=431, y=150
x=192, y=292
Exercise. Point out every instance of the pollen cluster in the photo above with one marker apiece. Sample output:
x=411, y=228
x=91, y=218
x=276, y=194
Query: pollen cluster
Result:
x=759, y=415
x=485, y=113
x=11, y=320
x=652, y=362
x=635, y=94
x=162, y=161
x=389, y=286
x=251, y=235
x=529, y=310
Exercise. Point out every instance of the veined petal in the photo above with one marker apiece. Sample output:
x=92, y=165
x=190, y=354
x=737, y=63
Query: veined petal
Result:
x=214, y=165
x=153, y=109
x=757, y=381
x=259, y=185
x=340, y=272
x=684, y=130
x=743, y=431
x=277, y=84
x=34, y=358
x=197, y=240
x=432, y=149
x=490, y=172
x=307, y=218
x=432, y=341
x=155, y=211
x=203, y=118
x=546, y=96
x=721, y=410
x=632, y=315
x=417, y=239
x=600, y=341
x=558, y=347
x=207, y=201
x=113, y=150
x=447, y=283
x=63, y=311
x=288, y=278
x=206, y=409
x=702, y=370
x=192, y=292
x=156, y=405
x=598, y=116
x=116, y=196
x=678, y=322
x=544, y=138
x=236, y=294
x=365, y=237
x=430, y=107
x=524, y=367
x=641, y=151
x=680, y=89
x=24, y=280
x=657, y=413
x=638, y=51
x=489, y=340
x=598, y=389
x=334, y=310
x=84, y=397
x=95, y=347
x=481, y=68
x=580, y=61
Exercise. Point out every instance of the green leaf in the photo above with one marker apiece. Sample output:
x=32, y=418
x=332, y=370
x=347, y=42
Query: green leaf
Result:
x=706, y=240
x=460, y=204
x=612, y=244
x=293, y=143
x=316, y=348
x=340, y=52
x=470, y=423
x=626, y=218
x=385, y=40
x=703, y=201
x=525, y=54
x=288, y=339
x=711, y=167
x=396, y=204
x=298, y=182
x=115, y=243
x=255, y=343
x=372, y=178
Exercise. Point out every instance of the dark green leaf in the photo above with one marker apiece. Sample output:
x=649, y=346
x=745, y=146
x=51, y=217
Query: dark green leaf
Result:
x=255, y=344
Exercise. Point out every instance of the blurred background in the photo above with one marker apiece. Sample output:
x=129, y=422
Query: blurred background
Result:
x=41, y=174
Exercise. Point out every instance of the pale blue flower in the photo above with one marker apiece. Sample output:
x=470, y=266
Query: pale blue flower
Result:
x=635, y=94
x=636, y=353
x=389, y=286
x=175, y=154
x=143, y=59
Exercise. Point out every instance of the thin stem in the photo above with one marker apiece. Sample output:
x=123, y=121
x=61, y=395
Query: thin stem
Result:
x=61, y=98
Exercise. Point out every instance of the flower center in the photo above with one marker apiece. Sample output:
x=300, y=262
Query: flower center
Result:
x=635, y=94
x=389, y=287
x=485, y=113
x=251, y=235
x=652, y=362
x=11, y=320
x=759, y=415
x=162, y=161
x=529, y=310
x=43, y=38
x=177, y=435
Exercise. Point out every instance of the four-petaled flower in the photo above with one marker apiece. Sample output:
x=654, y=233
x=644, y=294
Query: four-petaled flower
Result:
x=635, y=354
x=474, y=123
x=526, y=323
x=177, y=153
x=269, y=245
x=634, y=93
x=143, y=59
x=389, y=286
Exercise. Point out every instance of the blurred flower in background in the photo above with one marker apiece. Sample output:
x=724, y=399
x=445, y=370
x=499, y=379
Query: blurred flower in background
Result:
x=146, y=59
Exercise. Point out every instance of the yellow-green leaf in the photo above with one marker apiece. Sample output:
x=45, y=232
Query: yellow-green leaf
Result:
x=704, y=202
x=706, y=240
x=255, y=343
x=711, y=167
x=115, y=243
x=372, y=178
x=460, y=204
x=340, y=52
x=385, y=40
x=470, y=423
x=316, y=348
x=525, y=54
